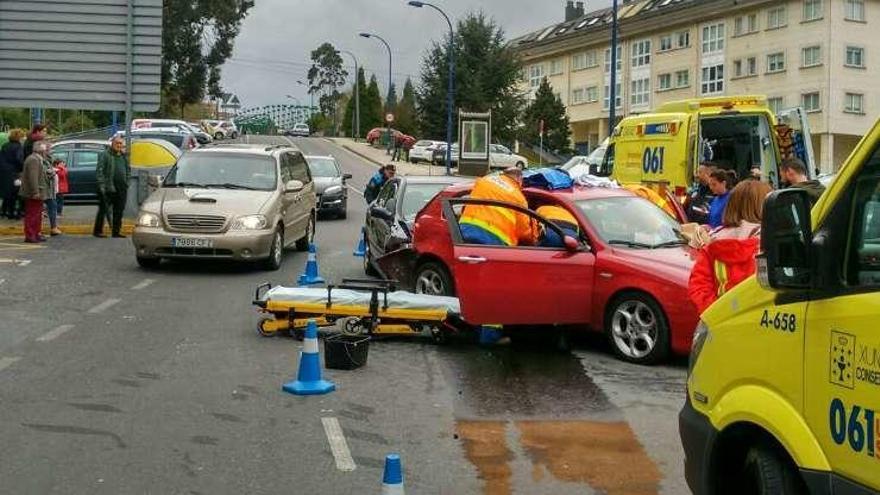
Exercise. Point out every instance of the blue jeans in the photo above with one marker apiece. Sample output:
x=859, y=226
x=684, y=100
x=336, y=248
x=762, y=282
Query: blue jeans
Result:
x=52, y=212
x=59, y=203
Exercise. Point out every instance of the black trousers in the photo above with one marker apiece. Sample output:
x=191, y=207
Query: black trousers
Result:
x=111, y=204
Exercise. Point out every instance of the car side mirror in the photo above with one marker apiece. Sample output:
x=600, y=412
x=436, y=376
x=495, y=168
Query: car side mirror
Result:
x=293, y=186
x=786, y=258
x=571, y=244
x=381, y=213
x=346, y=176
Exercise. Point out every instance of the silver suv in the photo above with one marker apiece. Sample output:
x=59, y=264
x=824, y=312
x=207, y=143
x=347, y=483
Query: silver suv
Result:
x=239, y=202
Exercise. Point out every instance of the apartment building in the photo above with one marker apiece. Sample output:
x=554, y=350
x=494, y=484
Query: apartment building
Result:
x=818, y=54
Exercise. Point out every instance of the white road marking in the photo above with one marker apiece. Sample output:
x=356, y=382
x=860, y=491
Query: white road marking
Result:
x=15, y=261
x=6, y=362
x=355, y=189
x=54, y=333
x=338, y=445
x=103, y=306
x=143, y=285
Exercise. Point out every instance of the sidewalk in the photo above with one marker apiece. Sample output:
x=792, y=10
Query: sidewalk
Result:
x=77, y=220
x=378, y=157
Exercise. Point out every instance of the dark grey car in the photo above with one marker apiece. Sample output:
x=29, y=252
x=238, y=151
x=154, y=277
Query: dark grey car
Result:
x=329, y=185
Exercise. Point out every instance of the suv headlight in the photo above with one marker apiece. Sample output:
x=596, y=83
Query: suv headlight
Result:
x=701, y=335
x=148, y=220
x=333, y=190
x=250, y=222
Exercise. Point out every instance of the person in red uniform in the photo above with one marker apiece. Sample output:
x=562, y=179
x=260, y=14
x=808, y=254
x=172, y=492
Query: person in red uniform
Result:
x=729, y=257
x=494, y=225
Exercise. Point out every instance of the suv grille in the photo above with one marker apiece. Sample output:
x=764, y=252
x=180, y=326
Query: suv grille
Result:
x=196, y=223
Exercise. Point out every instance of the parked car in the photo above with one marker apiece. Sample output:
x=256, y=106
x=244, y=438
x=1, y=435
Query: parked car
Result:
x=423, y=150
x=81, y=157
x=330, y=187
x=376, y=134
x=585, y=164
x=500, y=157
x=222, y=129
x=300, y=129
x=201, y=136
x=627, y=275
x=390, y=218
x=245, y=203
x=181, y=138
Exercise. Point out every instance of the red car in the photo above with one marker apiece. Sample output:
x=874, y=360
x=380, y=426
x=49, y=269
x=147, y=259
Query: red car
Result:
x=376, y=133
x=627, y=275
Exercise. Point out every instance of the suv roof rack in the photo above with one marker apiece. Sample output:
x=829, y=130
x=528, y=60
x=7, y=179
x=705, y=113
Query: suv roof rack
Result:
x=273, y=147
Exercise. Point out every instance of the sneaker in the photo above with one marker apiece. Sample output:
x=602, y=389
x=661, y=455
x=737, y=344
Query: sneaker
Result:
x=98, y=234
x=55, y=231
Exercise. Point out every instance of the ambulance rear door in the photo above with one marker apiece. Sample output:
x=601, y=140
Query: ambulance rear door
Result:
x=793, y=137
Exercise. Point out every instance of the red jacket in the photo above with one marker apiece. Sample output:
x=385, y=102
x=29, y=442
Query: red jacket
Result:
x=723, y=263
x=61, y=175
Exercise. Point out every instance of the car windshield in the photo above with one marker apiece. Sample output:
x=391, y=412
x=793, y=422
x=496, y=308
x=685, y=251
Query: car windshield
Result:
x=175, y=139
x=632, y=222
x=423, y=143
x=417, y=196
x=323, y=167
x=223, y=171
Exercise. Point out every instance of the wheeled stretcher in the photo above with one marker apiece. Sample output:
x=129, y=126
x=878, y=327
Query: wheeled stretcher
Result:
x=373, y=307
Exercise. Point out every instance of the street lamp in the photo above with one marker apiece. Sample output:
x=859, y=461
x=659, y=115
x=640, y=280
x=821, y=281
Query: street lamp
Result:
x=357, y=101
x=450, y=89
x=388, y=47
x=311, y=98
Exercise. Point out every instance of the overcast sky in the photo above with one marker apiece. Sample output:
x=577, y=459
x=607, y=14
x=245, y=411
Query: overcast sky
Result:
x=272, y=52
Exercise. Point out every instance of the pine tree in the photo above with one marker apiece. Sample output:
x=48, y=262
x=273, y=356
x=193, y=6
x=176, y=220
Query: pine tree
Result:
x=549, y=108
x=391, y=99
x=406, y=110
x=371, y=107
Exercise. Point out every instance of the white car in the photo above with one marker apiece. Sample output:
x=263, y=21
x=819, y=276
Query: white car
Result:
x=585, y=165
x=423, y=150
x=500, y=157
x=223, y=129
x=202, y=136
x=300, y=129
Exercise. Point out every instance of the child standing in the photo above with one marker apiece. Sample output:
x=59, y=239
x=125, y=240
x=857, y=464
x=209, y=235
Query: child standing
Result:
x=63, y=186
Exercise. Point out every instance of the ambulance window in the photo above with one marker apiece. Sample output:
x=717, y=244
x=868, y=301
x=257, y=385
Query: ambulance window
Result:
x=608, y=162
x=863, y=254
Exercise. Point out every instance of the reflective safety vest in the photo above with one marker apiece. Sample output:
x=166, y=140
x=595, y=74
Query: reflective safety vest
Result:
x=654, y=197
x=508, y=225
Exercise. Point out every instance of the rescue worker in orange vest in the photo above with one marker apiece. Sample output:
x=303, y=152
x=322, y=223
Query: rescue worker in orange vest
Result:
x=561, y=218
x=654, y=197
x=495, y=225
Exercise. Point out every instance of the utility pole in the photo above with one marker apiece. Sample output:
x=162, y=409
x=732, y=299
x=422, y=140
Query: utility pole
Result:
x=612, y=88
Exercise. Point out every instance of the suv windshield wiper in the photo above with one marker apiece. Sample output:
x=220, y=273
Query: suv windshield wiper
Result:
x=621, y=242
x=229, y=185
x=677, y=242
x=186, y=184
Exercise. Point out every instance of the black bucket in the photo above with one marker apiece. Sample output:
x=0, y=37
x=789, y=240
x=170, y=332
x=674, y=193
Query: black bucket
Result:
x=346, y=352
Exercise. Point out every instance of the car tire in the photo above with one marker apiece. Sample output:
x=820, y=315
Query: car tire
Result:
x=218, y=136
x=148, y=263
x=343, y=213
x=369, y=269
x=766, y=472
x=303, y=243
x=637, y=329
x=432, y=278
x=276, y=252
x=521, y=165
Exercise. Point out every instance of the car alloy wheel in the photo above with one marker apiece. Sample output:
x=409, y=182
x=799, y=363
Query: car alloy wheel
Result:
x=276, y=252
x=636, y=329
x=309, y=237
x=432, y=279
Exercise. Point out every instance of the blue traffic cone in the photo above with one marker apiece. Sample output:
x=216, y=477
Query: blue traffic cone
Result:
x=311, y=274
x=392, y=480
x=308, y=379
x=361, y=248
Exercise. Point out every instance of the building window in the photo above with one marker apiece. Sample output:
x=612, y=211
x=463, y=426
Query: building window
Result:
x=810, y=102
x=745, y=67
x=855, y=10
x=777, y=17
x=745, y=24
x=855, y=57
x=618, y=97
x=713, y=38
x=592, y=94
x=854, y=103
x=713, y=80
x=583, y=60
x=776, y=62
x=776, y=104
x=665, y=43
x=683, y=39
x=811, y=56
x=641, y=53
x=664, y=82
x=641, y=92
x=536, y=74
x=577, y=96
x=556, y=67
x=682, y=78
x=812, y=10
x=608, y=59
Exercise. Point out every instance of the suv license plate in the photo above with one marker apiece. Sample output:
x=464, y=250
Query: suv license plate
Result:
x=189, y=242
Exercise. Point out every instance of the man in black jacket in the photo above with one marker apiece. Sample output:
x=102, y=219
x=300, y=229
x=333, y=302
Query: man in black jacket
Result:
x=793, y=171
x=112, y=174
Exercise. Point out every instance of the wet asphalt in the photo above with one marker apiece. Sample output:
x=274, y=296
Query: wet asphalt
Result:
x=118, y=380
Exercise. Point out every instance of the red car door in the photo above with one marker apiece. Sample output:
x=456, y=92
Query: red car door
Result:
x=522, y=284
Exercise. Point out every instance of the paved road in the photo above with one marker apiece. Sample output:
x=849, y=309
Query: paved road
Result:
x=118, y=380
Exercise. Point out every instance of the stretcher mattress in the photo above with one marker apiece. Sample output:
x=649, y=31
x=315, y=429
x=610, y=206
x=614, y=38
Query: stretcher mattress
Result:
x=347, y=297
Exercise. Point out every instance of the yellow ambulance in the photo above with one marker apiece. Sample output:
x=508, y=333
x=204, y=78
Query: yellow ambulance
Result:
x=784, y=384
x=662, y=149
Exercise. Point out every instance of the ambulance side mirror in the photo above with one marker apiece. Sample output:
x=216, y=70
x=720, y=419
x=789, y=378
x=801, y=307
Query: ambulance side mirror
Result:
x=786, y=259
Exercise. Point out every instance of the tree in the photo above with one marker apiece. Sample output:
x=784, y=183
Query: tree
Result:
x=371, y=106
x=549, y=108
x=391, y=98
x=487, y=74
x=197, y=37
x=348, y=118
x=325, y=76
x=406, y=110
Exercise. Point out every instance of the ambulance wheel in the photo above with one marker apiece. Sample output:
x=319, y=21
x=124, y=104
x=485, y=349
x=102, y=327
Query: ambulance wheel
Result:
x=637, y=329
x=262, y=328
x=766, y=471
x=433, y=279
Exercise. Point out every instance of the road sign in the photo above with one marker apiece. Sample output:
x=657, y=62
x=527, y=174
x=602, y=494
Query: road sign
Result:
x=83, y=54
x=389, y=117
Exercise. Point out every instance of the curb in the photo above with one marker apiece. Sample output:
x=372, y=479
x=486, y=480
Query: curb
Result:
x=73, y=229
x=362, y=155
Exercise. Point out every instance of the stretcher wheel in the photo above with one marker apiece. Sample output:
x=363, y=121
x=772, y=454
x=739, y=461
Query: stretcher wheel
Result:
x=263, y=327
x=352, y=326
x=438, y=335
